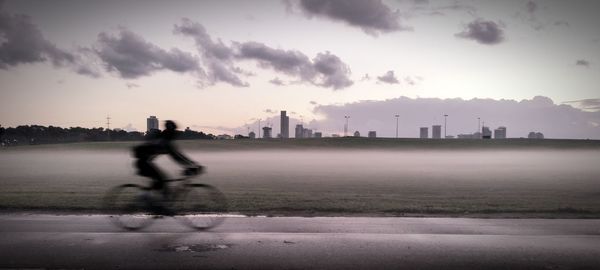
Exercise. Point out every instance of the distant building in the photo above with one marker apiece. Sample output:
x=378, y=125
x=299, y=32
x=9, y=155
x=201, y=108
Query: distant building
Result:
x=372, y=134
x=486, y=133
x=424, y=133
x=436, y=132
x=152, y=123
x=318, y=135
x=335, y=135
x=500, y=133
x=224, y=137
x=299, y=131
x=252, y=135
x=449, y=137
x=285, y=125
x=475, y=135
x=267, y=132
x=356, y=134
x=307, y=133
x=535, y=135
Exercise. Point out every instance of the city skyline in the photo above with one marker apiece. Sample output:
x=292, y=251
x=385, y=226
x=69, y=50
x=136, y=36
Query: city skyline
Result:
x=219, y=66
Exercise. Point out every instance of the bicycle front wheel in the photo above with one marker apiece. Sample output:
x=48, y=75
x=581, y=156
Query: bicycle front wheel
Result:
x=129, y=206
x=201, y=206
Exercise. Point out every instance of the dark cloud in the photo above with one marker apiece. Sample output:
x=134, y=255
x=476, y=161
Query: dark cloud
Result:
x=520, y=117
x=583, y=63
x=388, y=77
x=484, y=32
x=277, y=81
x=326, y=69
x=531, y=7
x=23, y=43
x=590, y=104
x=132, y=56
x=217, y=56
x=372, y=16
x=332, y=71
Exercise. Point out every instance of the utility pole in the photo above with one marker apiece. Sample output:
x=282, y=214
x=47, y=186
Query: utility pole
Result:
x=397, y=115
x=445, y=116
x=346, y=126
x=108, y=127
x=479, y=127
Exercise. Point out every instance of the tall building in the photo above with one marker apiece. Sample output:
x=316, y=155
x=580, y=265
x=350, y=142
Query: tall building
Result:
x=424, y=133
x=266, y=132
x=372, y=134
x=486, y=133
x=436, y=132
x=151, y=123
x=307, y=133
x=285, y=125
x=318, y=135
x=299, y=131
x=500, y=133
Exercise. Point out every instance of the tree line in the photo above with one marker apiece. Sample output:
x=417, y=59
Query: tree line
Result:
x=37, y=134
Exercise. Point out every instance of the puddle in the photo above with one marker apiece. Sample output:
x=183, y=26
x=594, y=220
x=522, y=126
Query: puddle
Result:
x=194, y=248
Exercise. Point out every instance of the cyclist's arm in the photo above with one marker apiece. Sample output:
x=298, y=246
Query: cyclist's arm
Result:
x=179, y=157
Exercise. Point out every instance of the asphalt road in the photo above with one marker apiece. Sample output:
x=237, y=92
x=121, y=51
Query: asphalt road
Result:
x=91, y=242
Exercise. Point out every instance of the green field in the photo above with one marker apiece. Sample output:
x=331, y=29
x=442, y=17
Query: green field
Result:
x=334, y=176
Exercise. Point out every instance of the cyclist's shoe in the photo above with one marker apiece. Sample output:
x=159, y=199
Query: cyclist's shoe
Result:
x=194, y=170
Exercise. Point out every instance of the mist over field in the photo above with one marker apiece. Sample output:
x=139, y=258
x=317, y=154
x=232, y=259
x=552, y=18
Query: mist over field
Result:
x=364, y=182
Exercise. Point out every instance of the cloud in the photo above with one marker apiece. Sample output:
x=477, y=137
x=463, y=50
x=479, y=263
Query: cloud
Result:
x=326, y=69
x=591, y=104
x=21, y=42
x=277, y=81
x=520, y=117
x=583, y=63
x=131, y=85
x=372, y=16
x=366, y=77
x=312, y=102
x=388, y=77
x=484, y=32
x=217, y=56
x=131, y=56
x=531, y=7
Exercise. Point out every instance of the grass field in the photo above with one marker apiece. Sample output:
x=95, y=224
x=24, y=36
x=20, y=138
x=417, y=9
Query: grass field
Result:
x=345, y=176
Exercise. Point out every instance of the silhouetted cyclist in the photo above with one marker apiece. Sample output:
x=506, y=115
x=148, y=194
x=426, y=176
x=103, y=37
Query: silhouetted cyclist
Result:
x=161, y=143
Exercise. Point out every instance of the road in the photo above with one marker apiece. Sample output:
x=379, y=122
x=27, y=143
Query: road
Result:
x=91, y=242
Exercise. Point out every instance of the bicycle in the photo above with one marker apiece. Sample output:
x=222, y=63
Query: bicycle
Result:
x=198, y=206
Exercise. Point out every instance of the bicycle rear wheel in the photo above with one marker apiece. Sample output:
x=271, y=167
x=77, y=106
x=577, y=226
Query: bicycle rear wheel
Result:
x=201, y=207
x=129, y=206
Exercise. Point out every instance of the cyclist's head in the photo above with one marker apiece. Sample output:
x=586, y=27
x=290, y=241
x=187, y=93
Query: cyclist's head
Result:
x=170, y=130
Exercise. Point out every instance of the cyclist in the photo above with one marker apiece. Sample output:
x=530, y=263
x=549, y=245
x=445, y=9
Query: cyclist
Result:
x=161, y=143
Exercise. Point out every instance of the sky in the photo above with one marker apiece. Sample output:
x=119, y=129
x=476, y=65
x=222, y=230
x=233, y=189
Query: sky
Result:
x=219, y=66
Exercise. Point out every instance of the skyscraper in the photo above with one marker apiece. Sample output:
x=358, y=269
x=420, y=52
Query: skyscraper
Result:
x=285, y=125
x=151, y=123
x=500, y=133
x=436, y=132
x=266, y=132
x=299, y=131
x=424, y=133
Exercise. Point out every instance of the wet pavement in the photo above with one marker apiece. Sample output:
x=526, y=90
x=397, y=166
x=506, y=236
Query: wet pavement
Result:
x=91, y=242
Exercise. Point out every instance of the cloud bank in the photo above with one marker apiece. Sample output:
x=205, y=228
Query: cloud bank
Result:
x=520, y=117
